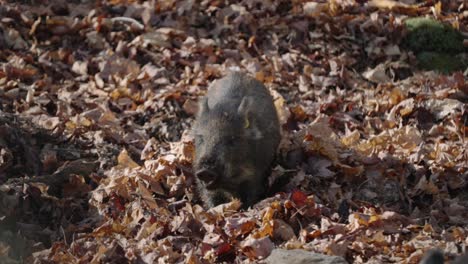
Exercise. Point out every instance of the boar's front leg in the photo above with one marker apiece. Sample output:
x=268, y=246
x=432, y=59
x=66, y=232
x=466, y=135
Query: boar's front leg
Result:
x=251, y=192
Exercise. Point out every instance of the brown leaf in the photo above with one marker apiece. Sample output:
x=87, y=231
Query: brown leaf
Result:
x=125, y=161
x=257, y=248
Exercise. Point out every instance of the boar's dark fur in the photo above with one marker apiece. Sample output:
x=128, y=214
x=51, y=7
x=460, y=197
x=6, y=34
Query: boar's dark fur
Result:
x=236, y=136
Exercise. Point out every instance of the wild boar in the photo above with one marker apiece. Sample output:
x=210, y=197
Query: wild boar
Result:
x=237, y=133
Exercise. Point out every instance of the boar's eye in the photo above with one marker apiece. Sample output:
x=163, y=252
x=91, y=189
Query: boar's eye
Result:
x=231, y=141
x=198, y=139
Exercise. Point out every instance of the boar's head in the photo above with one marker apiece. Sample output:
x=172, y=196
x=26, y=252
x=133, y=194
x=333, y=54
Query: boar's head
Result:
x=226, y=144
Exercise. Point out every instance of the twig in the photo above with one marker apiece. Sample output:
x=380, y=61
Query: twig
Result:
x=129, y=20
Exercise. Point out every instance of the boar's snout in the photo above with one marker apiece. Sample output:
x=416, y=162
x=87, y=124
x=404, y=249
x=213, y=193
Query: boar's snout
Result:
x=208, y=171
x=207, y=175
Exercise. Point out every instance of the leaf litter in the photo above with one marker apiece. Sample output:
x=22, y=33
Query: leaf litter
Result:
x=97, y=100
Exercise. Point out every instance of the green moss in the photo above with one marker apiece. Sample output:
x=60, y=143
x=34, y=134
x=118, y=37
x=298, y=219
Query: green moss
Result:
x=425, y=34
x=441, y=62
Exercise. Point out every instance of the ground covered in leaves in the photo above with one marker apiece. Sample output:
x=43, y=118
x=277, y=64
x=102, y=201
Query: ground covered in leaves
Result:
x=97, y=100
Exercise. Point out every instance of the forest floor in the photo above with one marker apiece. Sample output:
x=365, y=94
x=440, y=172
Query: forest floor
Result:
x=97, y=99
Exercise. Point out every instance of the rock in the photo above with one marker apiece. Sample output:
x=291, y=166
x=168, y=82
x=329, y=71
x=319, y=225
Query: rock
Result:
x=300, y=256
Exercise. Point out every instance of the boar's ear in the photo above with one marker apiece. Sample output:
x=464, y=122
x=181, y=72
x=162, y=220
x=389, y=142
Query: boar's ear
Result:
x=245, y=105
x=250, y=126
x=203, y=106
